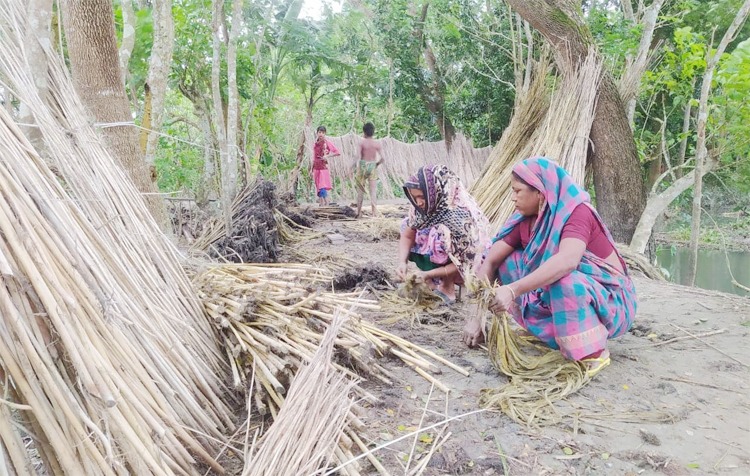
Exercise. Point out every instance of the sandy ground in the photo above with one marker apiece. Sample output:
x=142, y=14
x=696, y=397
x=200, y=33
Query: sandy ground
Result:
x=701, y=382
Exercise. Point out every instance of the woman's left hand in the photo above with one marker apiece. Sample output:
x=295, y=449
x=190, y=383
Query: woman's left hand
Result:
x=503, y=300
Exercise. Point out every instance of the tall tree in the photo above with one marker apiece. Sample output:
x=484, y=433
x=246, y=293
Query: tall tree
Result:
x=160, y=65
x=403, y=25
x=92, y=48
x=620, y=196
x=128, y=37
x=219, y=35
x=233, y=113
x=701, y=152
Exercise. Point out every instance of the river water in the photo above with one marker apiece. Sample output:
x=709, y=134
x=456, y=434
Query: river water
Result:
x=712, y=268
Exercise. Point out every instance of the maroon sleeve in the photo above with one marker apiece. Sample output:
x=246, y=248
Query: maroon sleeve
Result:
x=580, y=224
x=332, y=148
x=513, y=238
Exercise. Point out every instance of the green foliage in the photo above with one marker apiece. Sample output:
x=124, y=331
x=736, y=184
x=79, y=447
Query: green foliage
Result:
x=179, y=157
x=369, y=63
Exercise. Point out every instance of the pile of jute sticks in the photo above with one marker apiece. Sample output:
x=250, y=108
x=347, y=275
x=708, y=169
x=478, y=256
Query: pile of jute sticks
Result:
x=108, y=364
x=273, y=318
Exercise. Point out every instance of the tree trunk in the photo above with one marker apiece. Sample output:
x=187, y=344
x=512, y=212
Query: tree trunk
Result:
x=620, y=197
x=433, y=94
x=301, y=149
x=701, y=151
x=655, y=206
x=687, y=114
x=631, y=78
x=39, y=17
x=92, y=48
x=160, y=65
x=128, y=38
x=219, y=33
x=208, y=187
x=234, y=102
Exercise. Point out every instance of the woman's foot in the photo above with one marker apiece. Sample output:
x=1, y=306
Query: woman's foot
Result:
x=446, y=298
x=595, y=363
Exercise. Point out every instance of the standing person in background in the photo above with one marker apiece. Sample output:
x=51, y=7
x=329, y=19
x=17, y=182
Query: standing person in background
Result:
x=370, y=157
x=322, y=151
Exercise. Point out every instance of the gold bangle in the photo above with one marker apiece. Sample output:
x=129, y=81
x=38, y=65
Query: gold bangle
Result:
x=513, y=293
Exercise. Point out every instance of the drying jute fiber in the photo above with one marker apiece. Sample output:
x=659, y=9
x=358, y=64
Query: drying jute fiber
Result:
x=553, y=119
x=400, y=160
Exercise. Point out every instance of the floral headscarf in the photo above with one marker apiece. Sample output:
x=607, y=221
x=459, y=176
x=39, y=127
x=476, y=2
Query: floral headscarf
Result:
x=450, y=205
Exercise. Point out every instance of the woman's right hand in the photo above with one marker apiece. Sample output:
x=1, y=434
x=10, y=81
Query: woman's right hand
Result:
x=401, y=271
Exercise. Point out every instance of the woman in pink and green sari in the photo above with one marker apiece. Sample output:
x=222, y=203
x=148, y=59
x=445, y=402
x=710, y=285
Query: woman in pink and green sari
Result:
x=559, y=273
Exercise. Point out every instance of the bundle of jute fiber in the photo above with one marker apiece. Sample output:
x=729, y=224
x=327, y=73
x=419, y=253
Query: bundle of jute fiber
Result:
x=107, y=359
x=540, y=378
x=401, y=160
x=284, y=307
x=556, y=127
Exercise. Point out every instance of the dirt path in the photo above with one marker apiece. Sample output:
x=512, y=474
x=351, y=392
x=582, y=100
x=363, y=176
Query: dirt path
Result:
x=702, y=382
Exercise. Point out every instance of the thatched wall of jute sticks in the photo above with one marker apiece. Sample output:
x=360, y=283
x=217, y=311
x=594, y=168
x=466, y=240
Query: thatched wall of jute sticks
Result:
x=552, y=119
x=108, y=364
x=401, y=160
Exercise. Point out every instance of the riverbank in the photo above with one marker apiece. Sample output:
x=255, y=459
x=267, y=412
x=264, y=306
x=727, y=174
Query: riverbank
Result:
x=676, y=399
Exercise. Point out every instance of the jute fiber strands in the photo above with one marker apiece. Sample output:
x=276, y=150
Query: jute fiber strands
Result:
x=305, y=435
x=556, y=127
x=107, y=362
x=540, y=378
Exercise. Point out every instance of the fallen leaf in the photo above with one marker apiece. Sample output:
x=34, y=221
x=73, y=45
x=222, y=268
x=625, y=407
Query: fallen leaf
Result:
x=605, y=455
x=386, y=436
x=390, y=411
x=425, y=438
x=693, y=465
x=625, y=387
x=568, y=451
x=401, y=428
x=408, y=388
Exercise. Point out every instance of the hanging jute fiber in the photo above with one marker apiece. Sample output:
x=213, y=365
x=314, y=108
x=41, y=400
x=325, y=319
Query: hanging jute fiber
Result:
x=400, y=160
x=108, y=364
